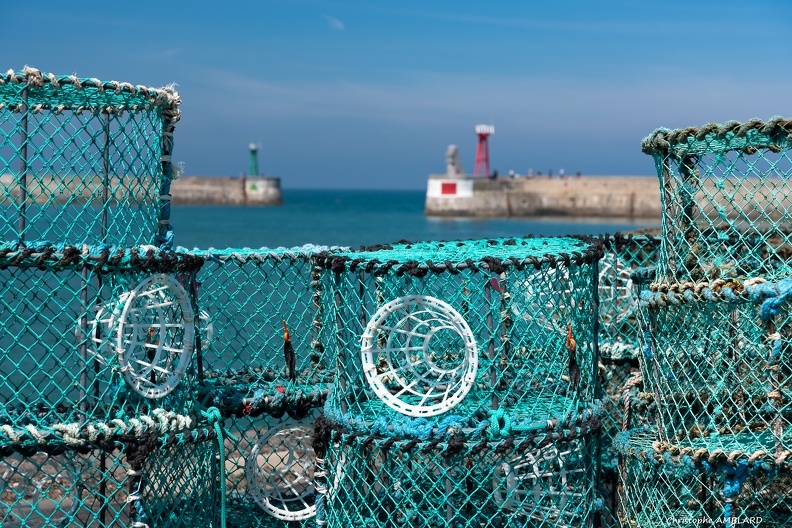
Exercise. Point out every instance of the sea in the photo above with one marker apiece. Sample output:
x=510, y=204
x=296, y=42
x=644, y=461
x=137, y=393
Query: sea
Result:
x=359, y=218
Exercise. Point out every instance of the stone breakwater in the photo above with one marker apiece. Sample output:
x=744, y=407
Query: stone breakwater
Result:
x=587, y=196
x=218, y=190
x=187, y=190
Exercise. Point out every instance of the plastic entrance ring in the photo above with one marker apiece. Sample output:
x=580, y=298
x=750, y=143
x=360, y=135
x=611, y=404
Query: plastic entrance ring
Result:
x=419, y=356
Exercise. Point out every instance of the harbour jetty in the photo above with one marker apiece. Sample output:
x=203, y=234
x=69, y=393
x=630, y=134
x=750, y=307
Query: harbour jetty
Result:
x=253, y=189
x=187, y=190
x=585, y=196
x=220, y=190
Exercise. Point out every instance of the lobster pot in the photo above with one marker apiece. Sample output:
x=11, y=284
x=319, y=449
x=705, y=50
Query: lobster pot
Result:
x=386, y=482
x=87, y=341
x=716, y=362
x=619, y=295
x=116, y=481
x=619, y=347
x=665, y=485
x=725, y=194
x=247, y=299
x=40, y=489
x=270, y=468
x=179, y=483
x=464, y=328
x=85, y=161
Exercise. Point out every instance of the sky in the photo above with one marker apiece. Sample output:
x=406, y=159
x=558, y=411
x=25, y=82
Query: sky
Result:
x=369, y=94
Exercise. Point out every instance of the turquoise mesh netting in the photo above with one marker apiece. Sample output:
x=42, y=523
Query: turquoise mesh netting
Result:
x=466, y=384
x=505, y=382
x=85, y=161
x=724, y=196
x=714, y=335
x=99, y=421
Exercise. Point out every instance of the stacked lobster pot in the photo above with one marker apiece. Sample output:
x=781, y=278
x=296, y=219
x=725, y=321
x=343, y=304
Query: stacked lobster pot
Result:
x=98, y=425
x=716, y=329
x=465, y=386
x=619, y=349
x=266, y=368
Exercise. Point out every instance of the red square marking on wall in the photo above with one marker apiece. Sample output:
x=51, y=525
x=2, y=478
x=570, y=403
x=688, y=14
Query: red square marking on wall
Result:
x=448, y=188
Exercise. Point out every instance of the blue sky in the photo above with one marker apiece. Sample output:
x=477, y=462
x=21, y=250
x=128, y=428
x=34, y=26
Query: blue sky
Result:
x=369, y=94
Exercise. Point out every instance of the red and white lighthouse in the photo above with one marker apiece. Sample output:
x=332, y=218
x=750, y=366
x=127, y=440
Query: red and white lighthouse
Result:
x=482, y=150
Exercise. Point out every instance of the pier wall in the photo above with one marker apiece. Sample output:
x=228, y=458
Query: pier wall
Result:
x=217, y=190
x=192, y=190
x=590, y=196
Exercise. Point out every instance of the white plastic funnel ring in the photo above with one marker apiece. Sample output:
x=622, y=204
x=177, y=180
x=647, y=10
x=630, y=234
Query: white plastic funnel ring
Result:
x=419, y=356
x=280, y=473
x=156, y=334
x=544, y=483
x=615, y=290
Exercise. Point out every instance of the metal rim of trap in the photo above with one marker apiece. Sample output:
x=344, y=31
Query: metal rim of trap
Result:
x=105, y=258
x=708, y=454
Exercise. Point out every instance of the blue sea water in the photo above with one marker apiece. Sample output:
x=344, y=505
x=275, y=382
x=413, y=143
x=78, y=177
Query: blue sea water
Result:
x=355, y=218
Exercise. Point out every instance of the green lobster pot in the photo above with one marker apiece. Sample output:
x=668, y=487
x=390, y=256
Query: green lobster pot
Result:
x=382, y=483
x=459, y=333
x=725, y=195
x=247, y=298
x=161, y=471
x=270, y=472
x=619, y=346
x=269, y=400
x=716, y=362
x=668, y=485
x=85, y=161
x=89, y=338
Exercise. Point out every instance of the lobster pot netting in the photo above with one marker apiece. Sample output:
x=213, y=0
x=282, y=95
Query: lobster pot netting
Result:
x=716, y=361
x=85, y=161
x=179, y=484
x=619, y=294
x=248, y=298
x=114, y=482
x=39, y=489
x=664, y=485
x=376, y=482
x=619, y=373
x=461, y=332
x=270, y=469
x=86, y=341
x=724, y=192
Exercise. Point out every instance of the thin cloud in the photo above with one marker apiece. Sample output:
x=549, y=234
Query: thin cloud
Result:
x=334, y=23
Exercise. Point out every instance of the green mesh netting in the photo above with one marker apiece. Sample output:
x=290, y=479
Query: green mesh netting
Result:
x=246, y=298
x=85, y=161
x=716, y=361
x=619, y=294
x=271, y=468
x=505, y=335
x=669, y=485
x=378, y=483
x=113, y=481
x=619, y=351
x=724, y=193
x=82, y=344
x=268, y=396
